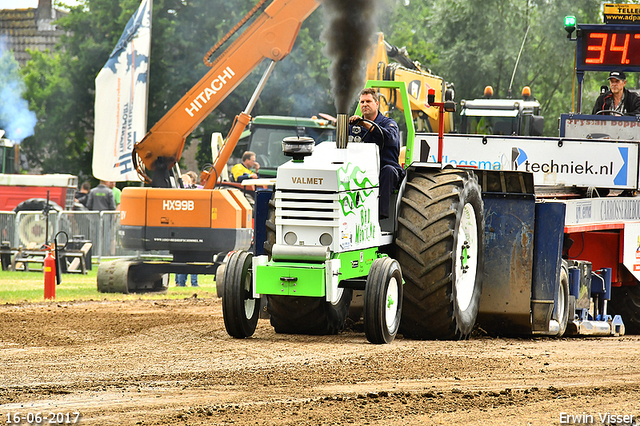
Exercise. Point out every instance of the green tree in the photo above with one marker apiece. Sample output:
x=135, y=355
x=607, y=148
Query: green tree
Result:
x=61, y=85
x=476, y=43
x=54, y=148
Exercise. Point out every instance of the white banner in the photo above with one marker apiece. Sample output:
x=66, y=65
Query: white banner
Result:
x=553, y=161
x=599, y=127
x=121, y=100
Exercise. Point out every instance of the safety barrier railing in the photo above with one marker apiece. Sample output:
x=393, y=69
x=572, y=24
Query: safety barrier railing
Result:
x=31, y=228
x=7, y=228
x=28, y=228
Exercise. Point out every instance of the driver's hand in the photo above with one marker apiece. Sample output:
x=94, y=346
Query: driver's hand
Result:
x=354, y=119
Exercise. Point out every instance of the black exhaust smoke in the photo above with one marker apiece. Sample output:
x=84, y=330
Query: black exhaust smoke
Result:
x=348, y=36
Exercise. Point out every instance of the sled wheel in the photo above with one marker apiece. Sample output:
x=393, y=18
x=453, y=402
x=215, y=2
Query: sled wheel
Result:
x=440, y=245
x=562, y=304
x=625, y=301
x=383, y=301
x=239, y=309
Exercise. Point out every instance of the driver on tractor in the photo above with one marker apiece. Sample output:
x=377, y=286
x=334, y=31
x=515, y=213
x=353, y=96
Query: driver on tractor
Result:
x=618, y=100
x=383, y=131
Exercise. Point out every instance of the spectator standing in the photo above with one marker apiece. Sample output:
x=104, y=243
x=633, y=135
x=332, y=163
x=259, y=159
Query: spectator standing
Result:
x=194, y=179
x=101, y=198
x=116, y=194
x=181, y=279
x=81, y=196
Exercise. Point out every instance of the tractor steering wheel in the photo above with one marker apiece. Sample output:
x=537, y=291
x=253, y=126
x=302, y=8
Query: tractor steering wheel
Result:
x=605, y=111
x=366, y=131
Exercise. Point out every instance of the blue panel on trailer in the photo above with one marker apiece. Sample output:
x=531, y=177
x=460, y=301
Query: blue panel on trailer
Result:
x=547, y=261
x=261, y=210
x=505, y=302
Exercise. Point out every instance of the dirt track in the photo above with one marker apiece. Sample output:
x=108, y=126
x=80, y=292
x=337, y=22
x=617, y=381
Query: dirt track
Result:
x=151, y=363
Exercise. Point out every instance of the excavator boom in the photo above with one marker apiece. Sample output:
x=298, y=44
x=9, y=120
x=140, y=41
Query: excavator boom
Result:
x=271, y=35
x=196, y=226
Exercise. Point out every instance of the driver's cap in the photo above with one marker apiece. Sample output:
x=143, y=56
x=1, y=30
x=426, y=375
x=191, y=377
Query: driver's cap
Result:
x=618, y=75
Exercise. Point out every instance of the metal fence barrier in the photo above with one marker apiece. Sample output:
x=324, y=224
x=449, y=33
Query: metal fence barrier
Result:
x=8, y=226
x=32, y=227
x=27, y=228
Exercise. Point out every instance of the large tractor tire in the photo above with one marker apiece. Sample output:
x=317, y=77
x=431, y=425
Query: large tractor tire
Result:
x=239, y=310
x=440, y=246
x=270, y=234
x=383, y=301
x=37, y=204
x=308, y=315
x=32, y=228
x=625, y=301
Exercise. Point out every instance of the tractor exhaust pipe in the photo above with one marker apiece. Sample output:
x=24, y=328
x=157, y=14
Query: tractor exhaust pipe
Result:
x=342, y=131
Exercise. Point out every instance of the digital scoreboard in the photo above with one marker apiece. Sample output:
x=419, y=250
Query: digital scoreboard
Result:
x=608, y=47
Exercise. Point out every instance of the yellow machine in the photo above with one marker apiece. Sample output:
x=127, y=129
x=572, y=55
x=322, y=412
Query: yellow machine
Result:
x=418, y=81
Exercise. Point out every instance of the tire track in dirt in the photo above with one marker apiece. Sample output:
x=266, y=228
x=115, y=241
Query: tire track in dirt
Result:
x=171, y=362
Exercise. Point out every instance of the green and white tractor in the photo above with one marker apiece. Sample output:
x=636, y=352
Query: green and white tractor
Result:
x=417, y=272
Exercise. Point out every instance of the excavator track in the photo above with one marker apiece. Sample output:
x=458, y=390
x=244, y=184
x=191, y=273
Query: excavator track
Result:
x=130, y=276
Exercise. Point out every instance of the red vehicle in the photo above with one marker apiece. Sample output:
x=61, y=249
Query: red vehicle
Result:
x=16, y=188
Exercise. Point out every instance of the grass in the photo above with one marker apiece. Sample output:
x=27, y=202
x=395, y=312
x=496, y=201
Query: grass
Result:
x=28, y=287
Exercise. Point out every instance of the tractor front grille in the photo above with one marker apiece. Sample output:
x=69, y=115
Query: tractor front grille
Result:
x=303, y=207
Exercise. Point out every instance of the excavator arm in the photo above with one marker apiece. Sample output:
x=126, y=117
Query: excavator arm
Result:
x=418, y=81
x=197, y=225
x=271, y=35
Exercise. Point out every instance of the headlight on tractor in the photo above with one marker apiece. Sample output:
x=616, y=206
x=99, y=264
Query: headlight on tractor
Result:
x=326, y=239
x=290, y=238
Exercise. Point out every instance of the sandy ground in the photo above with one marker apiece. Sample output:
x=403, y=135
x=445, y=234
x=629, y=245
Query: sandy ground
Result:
x=171, y=362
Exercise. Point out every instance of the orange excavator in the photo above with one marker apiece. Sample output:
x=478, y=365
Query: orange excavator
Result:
x=197, y=226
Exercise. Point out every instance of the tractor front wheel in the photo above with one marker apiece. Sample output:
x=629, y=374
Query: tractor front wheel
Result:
x=562, y=304
x=240, y=311
x=383, y=301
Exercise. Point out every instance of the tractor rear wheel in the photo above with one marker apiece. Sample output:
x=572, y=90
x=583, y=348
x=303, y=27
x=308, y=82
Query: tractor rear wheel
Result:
x=308, y=315
x=440, y=246
x=625, y=301
x=270, y=234
x=240, y=311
